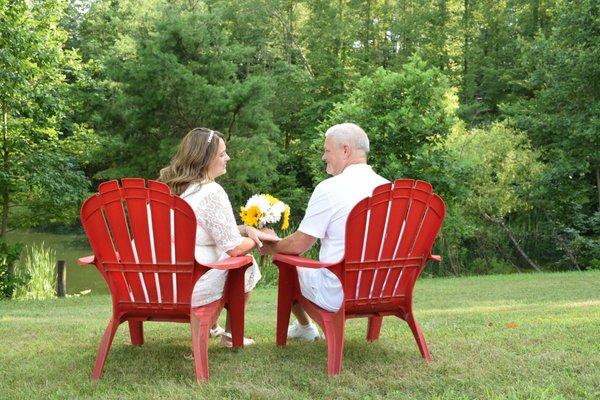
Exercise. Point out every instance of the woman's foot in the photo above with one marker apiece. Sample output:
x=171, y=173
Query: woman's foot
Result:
x=216, y=331
x=226, y=340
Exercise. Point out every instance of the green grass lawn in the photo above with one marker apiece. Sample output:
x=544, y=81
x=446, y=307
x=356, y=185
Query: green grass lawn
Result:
x=534, y=336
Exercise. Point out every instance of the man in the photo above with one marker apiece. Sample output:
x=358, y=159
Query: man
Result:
x=346, y=150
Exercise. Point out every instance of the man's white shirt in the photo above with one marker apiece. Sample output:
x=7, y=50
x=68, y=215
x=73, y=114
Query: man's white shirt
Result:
x=325, y=219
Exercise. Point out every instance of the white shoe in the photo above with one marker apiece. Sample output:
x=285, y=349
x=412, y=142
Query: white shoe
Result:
x=216, y=332
x=303, y=332
x=227, y=342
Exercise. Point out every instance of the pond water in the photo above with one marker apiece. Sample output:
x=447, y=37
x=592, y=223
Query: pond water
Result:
x=68, y=247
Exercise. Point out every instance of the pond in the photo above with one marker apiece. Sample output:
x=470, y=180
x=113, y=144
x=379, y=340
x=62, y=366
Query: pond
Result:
x=68, y=247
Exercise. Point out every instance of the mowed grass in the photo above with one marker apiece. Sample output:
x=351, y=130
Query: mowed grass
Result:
x=531, y=336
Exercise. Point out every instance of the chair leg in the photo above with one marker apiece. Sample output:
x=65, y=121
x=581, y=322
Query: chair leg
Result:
x=200, y=333
x=284, y=304
x=107, y=339
x=136, y=331
x=235, y=308
x=418, y=334
x=333, y=327
x=374, y=328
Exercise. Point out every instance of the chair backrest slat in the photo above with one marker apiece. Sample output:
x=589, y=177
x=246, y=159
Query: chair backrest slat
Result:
x=113, y=204
x=136, y=199
x=377, y=213
x=184, y=242
x=101, y=241
x=355, y=234
x=389, y=237
x=160, y=209
x=143, y=239
x=418, y=195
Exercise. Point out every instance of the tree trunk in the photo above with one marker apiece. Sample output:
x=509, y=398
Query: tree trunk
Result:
x=465, y=48
x=535, y=11
x=338, y=43
x=563, y=243
x=5, y=193
x=598, y=184
x=452, y=258
x=514, y=241
x=289, y=32
x=5, y=199
x=567, y=250
x=368, y=23
x=444, y=21
x=483, y=253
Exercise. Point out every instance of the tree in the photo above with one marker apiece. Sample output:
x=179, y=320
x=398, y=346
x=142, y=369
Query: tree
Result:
x=562, y=118
x=501, y=173
x=36, y=177
x=402, y=112
x=183, y=65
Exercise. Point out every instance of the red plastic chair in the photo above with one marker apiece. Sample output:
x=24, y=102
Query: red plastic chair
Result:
x=389, y=237
x=143, y=242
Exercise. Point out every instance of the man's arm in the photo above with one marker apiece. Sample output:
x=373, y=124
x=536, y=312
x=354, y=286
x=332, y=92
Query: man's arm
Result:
x=296, y=243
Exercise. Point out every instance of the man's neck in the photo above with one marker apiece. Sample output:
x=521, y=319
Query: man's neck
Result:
x=357, y=161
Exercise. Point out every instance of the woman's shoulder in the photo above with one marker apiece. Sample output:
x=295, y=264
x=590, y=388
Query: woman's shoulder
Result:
x=213, y=187
x=192, y=189
x=203, y=189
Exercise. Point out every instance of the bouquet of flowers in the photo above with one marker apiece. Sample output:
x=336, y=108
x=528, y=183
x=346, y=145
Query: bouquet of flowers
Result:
x=264, y=210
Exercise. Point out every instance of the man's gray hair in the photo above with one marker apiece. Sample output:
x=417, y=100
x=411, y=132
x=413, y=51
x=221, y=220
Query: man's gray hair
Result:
x=350, y=134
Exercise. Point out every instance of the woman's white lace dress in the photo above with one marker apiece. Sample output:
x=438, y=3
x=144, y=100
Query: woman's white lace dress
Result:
x=216, y=233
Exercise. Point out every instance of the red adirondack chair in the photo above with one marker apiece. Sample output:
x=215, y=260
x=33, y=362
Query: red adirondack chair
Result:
x=389, y=237
x=143, y=242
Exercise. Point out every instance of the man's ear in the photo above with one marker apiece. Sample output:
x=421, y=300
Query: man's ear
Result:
x=347, y=151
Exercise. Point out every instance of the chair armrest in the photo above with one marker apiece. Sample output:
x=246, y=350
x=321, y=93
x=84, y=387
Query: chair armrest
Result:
x=88, y=260
x=434, y=257
x=230, y=263
x=298, y=261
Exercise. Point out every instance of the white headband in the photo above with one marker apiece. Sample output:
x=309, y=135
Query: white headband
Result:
x=210, y=135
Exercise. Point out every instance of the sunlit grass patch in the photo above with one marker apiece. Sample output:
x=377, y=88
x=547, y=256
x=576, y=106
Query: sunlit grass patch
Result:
x=529, y=336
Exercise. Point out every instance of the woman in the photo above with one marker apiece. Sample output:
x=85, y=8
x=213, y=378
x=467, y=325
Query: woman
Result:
x=200, y=159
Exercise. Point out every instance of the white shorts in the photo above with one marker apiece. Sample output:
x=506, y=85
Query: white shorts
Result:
x=322, y=287
x=210, y=286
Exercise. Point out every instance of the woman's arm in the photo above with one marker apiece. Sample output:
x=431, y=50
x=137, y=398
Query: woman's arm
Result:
x=243, y=229
x=252, y=237
x=243, y=248
x=257, y=235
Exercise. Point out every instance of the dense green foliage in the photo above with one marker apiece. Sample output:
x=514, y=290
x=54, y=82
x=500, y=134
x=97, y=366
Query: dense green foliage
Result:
x=494, y=102
x=40, y=178
x=9, y=255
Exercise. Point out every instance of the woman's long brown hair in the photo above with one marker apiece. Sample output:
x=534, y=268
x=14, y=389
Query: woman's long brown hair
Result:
x=190, y=164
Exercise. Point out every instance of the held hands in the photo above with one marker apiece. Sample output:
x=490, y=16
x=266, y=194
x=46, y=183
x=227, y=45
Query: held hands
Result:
x=267, y=248
x=266, y=235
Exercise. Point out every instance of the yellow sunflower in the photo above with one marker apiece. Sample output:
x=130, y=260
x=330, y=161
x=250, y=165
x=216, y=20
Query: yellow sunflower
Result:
x=286, y=218
x=251, y=215
x=272, y=199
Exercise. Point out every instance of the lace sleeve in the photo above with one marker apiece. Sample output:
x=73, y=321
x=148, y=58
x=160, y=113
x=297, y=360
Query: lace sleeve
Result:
x=215, y=215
